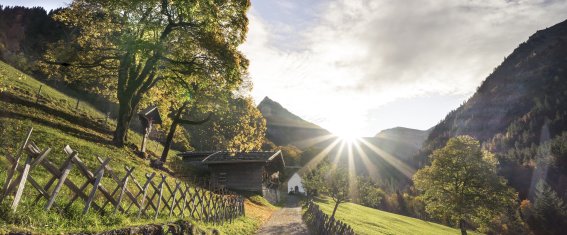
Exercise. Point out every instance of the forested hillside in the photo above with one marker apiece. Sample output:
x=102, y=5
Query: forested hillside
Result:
x=25, y=34
x=520, y=113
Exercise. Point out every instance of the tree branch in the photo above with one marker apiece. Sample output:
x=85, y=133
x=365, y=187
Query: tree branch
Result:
x=189, y=122
x=96, y=63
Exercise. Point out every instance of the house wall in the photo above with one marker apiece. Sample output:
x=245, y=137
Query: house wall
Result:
x=246, y=177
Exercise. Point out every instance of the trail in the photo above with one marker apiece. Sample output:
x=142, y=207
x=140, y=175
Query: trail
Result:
x=286, y=220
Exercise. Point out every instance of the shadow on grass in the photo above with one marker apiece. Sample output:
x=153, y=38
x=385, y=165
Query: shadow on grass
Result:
x=68, y=130
x=77, y=120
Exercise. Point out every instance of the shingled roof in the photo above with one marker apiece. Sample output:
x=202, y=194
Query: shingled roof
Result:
x=242, y=157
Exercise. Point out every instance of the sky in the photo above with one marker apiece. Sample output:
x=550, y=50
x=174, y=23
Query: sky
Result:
x=356, y=67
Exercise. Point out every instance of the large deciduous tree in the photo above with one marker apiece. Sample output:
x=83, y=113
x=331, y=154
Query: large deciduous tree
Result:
x=237, y=125
x=126, y=47
x=462, y=184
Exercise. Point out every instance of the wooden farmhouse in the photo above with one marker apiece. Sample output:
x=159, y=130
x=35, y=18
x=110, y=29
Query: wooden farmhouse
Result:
x=241, y=171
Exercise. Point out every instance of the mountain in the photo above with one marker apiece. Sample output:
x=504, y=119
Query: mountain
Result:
x=520, y=113
x=384, y=156
x=400, y=141
x=284, y=127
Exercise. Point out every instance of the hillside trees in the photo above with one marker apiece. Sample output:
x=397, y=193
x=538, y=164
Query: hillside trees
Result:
x=237, y=125
x=122, y=49
x=547, y=215
x=370, y=194
x=25, y=34
x=462, y=184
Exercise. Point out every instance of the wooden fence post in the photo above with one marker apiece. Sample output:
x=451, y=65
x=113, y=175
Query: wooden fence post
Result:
x=160, y=188
x=30, y=164
x=38, y=94
x=173, y=195
x=21, y=185
x=14, y=167
x=184, y=200
x=124, y=184
x=68, y=166
x=144, y=192
x=96, y=184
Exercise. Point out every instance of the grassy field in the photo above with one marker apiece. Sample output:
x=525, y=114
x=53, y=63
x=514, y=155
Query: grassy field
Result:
x=366, y=220
x=56, y=123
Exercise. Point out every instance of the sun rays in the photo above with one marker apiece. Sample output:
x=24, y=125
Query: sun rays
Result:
x=351, y=153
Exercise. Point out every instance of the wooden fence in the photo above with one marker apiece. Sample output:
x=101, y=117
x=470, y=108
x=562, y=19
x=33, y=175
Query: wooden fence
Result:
x=152, y=198
x=321, y=223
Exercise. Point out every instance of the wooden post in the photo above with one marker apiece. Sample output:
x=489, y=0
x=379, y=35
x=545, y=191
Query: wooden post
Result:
x=15, y=164
x=160, y=195
x=145, y=136
x=173, y=195
x=145, y=192
x=22, y=183
x=128, y=172
x=30, y=179
x=93, y=191
x=98, y=177
x=184, y=200
x=124, y=184
x=77, y=106
x=61, y=181
x=38, y=94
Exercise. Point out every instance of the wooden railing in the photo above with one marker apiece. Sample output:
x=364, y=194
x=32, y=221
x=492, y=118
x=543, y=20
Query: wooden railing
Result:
x=157, y=196
x=321, y=223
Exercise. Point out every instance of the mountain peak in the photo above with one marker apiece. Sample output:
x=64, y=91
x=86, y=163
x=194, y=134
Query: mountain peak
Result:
x=267, y=100
x=284, y=127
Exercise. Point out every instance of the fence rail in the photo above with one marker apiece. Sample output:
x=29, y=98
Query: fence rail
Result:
x=154, y=197
x=322, y=224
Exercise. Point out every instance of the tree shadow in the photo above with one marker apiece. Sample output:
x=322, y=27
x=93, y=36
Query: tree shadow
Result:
x=77, y=120
x=66, y=129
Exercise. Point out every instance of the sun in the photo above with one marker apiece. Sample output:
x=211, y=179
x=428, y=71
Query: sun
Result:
x=347, y=126
x=346, y=134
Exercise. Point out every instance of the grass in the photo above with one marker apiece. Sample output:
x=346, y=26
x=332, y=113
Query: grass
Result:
x=258, y=210
x=56, y=123
x=366, y=220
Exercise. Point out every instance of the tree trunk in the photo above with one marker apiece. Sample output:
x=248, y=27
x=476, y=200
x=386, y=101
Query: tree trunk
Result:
x=168, y=140
x=335, y=209
x=463, y=227
x=176, y=121
x=123, y=121
x=172, y=129
x=128, y=102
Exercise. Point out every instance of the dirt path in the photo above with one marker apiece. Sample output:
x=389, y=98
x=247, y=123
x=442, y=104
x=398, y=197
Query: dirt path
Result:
x=286, y=220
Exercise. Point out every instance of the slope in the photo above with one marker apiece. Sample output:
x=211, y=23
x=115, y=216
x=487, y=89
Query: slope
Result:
x=402, y=142
x=366, y=220
x=517, y=109
x=57, y=122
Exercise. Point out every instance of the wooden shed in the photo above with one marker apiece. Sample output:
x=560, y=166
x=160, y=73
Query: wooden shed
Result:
x=245, y=171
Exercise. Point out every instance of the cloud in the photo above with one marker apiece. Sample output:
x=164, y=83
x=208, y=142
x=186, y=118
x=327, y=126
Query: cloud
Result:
x=355, y=56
